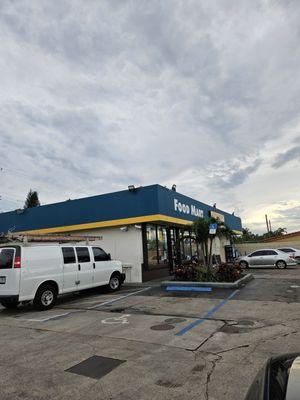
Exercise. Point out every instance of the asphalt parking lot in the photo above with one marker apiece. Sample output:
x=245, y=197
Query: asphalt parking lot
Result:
x=144, y=343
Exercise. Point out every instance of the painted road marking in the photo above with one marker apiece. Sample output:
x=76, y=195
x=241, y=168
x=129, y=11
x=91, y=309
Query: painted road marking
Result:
x=119, y=298
x=207, y=315
x=46, y=319
x=188, y=289
x=123, y=319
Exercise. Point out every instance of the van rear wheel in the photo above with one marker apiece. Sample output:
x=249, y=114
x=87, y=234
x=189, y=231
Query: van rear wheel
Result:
x=45, y=297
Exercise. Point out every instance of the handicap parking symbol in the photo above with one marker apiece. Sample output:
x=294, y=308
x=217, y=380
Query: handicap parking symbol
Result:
x=123, y=319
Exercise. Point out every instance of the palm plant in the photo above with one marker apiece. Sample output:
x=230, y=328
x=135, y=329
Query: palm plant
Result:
x=200, y=229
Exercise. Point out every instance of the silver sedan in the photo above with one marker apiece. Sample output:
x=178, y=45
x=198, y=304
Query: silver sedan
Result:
x=266, y=258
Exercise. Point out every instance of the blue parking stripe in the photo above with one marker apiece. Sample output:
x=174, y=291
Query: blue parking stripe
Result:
x=188, y=289
x=211, y=312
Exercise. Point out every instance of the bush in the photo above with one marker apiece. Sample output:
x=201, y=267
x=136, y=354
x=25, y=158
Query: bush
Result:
x=228, y=272
x=193, y=271
x=186, y=272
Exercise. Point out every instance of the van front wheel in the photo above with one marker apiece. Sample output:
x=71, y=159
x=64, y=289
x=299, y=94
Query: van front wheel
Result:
x=45, y=297
x=114, y=282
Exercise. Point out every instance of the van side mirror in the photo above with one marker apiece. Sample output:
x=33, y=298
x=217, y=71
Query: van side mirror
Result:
x=108, y=256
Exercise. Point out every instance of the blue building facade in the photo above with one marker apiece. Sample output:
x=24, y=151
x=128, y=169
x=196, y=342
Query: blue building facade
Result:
x=144, y=227
x=147, y=204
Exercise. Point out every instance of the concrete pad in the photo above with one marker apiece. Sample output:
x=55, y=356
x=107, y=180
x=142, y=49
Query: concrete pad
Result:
x=215, y=360
x=150, y=371
x=139, y=328
x=87, y=300
x=118, y=325
x=270, y=312
x=179, y=306
x=222, y=342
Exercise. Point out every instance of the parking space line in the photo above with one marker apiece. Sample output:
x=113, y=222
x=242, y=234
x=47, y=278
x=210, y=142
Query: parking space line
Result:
x=207, y=315
x=46, y=319
x=119, y=298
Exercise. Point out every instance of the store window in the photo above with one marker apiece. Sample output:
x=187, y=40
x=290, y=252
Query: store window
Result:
x=189, y=247
x=157, y=245
x=151, y=244
x=162, y=245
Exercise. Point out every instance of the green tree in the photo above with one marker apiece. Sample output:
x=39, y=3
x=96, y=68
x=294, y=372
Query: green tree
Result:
x=32, y=199
x=200, y=229
x=248, y=236
x=200, y=232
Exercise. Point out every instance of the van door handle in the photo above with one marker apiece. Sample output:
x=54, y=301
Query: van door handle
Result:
x=79, y=267
x=94, y=266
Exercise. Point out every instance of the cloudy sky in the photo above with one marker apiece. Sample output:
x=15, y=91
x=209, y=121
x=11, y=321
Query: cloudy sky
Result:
x=96, y=95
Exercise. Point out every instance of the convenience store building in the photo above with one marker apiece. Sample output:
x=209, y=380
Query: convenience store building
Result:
x=138, y=226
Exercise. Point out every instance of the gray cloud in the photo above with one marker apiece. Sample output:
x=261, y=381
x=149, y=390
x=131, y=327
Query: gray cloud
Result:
x=232, y=174
x=291, y=213
x=96, y=95
x=289, y=155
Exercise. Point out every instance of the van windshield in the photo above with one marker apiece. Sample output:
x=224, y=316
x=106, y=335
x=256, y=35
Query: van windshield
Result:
x=6, y=258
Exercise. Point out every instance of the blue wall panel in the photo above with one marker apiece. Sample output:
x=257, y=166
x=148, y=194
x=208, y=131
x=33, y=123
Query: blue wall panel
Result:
x=166, y=199
x=145, y=201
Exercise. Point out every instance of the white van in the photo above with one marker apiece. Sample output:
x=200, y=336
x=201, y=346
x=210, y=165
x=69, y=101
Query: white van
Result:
x=42, y=272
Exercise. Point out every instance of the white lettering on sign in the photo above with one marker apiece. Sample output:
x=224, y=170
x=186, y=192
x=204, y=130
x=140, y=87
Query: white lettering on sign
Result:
x=186, y=209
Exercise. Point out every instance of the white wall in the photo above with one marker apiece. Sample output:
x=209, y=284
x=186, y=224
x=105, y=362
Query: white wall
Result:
x=218, y=247
x=246, y=248
x=125, y=246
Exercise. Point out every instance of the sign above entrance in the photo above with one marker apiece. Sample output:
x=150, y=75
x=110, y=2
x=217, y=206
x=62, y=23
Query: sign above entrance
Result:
x=187, y=209
x=217, y=215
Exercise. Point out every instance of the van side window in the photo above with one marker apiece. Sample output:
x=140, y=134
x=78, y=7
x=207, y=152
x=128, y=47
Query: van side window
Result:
x=99, y=254
x=69, y=255
x=83, y=254
x=6, y=258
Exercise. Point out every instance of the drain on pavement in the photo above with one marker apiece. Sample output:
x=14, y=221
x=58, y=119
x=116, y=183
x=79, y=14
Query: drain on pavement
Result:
x=245, y=322
x=174, y=320
x=234, y=329
x=162, y=327
x=168, y=384
x=95, y=367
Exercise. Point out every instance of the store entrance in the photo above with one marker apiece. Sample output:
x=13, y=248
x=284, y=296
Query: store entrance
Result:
x=164, y=247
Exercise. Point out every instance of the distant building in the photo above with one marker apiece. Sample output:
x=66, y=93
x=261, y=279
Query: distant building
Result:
x=139, y=226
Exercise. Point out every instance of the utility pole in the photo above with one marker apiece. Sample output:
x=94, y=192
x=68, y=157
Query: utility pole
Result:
x=267, y=222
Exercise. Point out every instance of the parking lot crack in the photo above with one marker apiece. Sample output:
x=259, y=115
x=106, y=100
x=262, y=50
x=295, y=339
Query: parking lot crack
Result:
x=209, y=337
x=210, y=373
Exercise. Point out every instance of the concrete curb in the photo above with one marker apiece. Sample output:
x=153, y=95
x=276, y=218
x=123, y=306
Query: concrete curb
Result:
x=220, y=285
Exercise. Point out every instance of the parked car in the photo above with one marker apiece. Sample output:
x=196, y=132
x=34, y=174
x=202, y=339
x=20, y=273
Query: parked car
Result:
x=278, y=379
x=42, y=272
x=266, y=258
x=292, y=252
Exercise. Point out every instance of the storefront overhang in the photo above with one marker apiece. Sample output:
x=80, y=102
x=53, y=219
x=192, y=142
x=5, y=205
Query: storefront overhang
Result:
x=151, y=204
x=156, y=218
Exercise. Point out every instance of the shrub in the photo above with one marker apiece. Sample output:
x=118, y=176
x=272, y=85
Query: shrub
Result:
x=228, y=272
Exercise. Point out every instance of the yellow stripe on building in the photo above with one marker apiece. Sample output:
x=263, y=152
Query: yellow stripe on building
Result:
x=110, y=223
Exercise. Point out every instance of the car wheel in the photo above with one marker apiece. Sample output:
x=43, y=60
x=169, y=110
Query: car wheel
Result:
x=244, y=264
x=281, y=264
x=10, y=305
x=114, y=282
x=45, y=297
